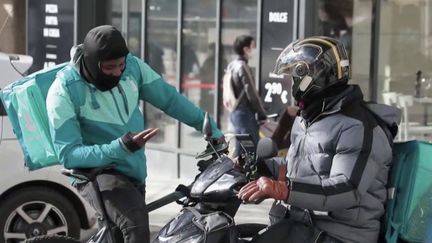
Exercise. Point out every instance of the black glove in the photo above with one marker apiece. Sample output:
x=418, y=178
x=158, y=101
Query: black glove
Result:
x=261, y=117
x=129, y=143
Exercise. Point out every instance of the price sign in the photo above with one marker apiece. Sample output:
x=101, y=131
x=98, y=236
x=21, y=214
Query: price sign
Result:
x=50, y=32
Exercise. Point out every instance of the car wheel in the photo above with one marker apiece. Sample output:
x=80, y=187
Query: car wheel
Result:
x=35, y=211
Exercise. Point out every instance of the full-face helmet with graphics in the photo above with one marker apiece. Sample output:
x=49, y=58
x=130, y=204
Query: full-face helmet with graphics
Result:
x=315, y=65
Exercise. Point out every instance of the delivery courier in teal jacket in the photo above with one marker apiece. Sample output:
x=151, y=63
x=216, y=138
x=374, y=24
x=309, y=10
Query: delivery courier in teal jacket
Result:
x=94, y=112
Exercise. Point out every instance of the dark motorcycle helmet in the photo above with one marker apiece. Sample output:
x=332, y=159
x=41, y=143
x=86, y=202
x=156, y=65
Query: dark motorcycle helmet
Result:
x=315, y=65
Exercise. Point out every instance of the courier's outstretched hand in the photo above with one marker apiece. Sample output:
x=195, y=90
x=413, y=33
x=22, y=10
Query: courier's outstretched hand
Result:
x=135, y=141
x=265, y=187
x=143, y=137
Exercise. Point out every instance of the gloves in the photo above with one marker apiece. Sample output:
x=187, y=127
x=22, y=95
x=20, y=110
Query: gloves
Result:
x=221, y=140
x=129, y=143
x=261, y=117
x=265, y=187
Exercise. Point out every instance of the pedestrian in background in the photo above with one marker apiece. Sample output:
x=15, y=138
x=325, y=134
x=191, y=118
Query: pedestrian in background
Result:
x=248, y=102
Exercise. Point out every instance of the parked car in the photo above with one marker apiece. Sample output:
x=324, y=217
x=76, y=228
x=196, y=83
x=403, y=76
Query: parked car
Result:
x=33, y=202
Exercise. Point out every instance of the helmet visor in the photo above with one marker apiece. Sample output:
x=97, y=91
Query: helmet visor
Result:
x=294, y=54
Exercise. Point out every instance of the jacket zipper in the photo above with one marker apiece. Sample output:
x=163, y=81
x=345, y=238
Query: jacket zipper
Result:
x=117, y=106
x=125, y=102
x=306, y=124
x=303, y=154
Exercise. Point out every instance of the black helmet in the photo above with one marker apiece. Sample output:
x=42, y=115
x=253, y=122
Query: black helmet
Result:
x=315, y=64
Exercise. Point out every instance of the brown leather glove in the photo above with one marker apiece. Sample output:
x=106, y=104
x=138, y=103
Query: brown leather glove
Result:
x=265, y=187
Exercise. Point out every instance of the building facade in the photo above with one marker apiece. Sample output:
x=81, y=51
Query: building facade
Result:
x=189, y=42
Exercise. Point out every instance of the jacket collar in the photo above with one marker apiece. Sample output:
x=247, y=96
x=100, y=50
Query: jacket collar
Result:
x=332, y=104
x=242, y=58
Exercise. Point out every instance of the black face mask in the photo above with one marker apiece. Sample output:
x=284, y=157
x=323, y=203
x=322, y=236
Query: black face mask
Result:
x=108, y=82
x=100, y=44
x=102, y=81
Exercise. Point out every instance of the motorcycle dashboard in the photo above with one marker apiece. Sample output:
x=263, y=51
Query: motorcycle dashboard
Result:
x=212, y=173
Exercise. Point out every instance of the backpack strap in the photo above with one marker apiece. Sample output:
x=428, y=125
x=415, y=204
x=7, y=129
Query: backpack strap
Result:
x=76, y=90
x=256, y=102
x=242, y=93
x=390, y=134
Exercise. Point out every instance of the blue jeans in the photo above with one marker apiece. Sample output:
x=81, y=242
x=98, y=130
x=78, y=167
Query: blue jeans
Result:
x=244, y=122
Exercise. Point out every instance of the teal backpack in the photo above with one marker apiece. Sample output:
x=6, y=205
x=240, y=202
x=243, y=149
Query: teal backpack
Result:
x=24, y=102
x=409, y=207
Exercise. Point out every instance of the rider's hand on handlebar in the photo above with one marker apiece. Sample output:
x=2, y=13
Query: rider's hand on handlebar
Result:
x=261, y=118
x=265, y=187
x=221, y=140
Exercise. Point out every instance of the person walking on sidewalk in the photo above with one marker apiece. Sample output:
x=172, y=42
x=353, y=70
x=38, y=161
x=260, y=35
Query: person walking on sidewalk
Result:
x=249, y=103
x=107, y=127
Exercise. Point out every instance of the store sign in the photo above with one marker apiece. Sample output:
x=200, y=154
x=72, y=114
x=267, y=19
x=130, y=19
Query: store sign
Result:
x=277, y=33
x=278, y=17
x=50, y=26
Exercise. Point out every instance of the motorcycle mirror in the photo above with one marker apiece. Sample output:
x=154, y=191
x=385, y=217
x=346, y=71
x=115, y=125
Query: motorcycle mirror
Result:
x=266, y=148
x=207, y=129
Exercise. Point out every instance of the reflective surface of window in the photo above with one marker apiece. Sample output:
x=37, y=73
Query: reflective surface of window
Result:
x=348, y=21
x=161, y=56
x=405, y=70
x=238, y=18
x=134, y=27
x=197, y=63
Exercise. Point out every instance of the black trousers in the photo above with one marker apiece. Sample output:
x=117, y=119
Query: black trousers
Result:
x=124, y=203
x=294, y=226
x=292, y=231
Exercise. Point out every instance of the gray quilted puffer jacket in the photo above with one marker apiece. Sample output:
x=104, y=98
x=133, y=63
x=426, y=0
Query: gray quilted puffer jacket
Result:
x=338, y=164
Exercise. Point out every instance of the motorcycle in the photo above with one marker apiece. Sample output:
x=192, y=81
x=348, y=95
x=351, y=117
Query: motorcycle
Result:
x=209, y=203
x=211, y=200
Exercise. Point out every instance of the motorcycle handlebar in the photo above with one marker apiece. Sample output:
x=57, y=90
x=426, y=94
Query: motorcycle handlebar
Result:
x=172, y=197
x=181, y=191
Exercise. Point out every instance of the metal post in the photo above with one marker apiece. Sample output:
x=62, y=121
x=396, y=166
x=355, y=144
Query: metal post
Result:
x=179, y=73
x=125, y=16
x=217, y=82
x=143, y=28
x=374, y=55
x=258, y=43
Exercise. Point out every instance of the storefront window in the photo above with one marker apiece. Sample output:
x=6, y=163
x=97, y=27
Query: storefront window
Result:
x=134, y=27
x=405, y=68
x=116, y=13
x=238, y=18
x=348, y=21
x=198, y=59
x=161, y=56
x=12, y=18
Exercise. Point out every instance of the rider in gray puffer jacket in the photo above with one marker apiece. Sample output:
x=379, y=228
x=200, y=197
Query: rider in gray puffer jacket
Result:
x=341, y=152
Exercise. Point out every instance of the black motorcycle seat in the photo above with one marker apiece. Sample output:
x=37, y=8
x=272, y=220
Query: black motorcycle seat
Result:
x=86, y=174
